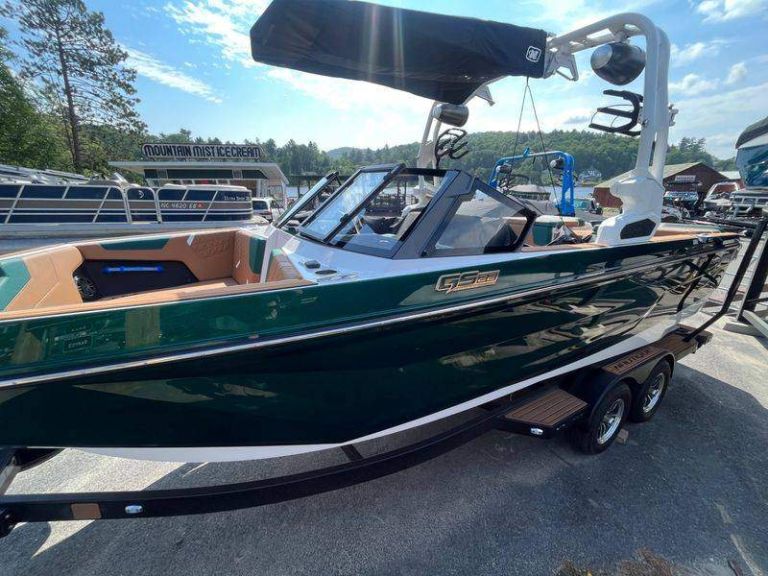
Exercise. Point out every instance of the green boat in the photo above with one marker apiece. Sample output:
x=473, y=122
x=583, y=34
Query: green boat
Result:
x=409, y=295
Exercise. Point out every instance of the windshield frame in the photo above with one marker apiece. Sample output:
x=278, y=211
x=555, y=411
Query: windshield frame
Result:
x=391, y=170
x=319, y=186
x=430, y=249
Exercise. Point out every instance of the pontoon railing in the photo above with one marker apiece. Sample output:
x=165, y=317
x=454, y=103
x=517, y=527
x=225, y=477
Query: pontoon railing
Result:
x=44, y=203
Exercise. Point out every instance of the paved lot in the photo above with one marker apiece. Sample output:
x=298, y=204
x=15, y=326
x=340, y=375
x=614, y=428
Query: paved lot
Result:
x=687, y=494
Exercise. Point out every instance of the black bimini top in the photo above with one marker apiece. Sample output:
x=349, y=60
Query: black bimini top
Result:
x=753, y=131
x=444, y=58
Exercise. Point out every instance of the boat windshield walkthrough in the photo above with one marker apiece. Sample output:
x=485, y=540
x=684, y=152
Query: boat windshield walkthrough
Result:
x=409, y=295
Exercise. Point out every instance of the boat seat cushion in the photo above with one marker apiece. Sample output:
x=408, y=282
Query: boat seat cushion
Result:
x=281, y=267
x=248, y=257
x=187, y=289
x=407, y=223
x=208, y=255
x=42, y=279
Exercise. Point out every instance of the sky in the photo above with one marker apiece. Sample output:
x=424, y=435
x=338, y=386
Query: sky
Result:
x=195, y=71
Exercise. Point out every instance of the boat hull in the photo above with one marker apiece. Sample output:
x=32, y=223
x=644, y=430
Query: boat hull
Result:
x=300, y=382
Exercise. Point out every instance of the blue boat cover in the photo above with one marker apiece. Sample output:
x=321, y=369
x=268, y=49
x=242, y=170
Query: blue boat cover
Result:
x=444, y=58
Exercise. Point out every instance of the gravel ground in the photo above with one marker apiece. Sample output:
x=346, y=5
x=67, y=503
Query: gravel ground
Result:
x=686, y=494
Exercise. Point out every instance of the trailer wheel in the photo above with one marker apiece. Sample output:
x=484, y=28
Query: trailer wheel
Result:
x=649, y=395
x=599, y=432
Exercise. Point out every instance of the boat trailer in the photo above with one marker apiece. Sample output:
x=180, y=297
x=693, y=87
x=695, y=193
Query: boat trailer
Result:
x=576, y=401
x=549, y=409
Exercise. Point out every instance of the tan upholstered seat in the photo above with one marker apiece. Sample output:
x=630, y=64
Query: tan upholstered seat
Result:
x=50, y=279
x=208, y=255
x=244, y=260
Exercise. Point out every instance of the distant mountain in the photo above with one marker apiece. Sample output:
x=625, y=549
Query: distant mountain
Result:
x=607, y=154
x=337, y=153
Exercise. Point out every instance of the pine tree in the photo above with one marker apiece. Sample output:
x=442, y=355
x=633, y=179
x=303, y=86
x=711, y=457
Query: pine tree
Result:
x=80, y=67
x=27, y=137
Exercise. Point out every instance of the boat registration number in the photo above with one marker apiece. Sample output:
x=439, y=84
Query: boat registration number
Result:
x=182, y=205
x=466, y=281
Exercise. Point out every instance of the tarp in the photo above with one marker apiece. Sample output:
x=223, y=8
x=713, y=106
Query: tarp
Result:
x=444, y=58
x=753, y=131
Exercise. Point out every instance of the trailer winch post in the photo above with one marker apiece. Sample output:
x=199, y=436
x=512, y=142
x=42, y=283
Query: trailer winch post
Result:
x=737, y=279
x=756, y=287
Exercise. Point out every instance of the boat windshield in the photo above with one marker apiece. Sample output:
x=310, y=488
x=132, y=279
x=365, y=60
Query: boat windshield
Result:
x=342, y=205
x=386, y=217
x=753, y=165
x=309, y=200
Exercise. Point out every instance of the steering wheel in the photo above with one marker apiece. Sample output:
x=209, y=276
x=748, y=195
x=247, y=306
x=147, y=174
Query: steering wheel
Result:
x=451, y=143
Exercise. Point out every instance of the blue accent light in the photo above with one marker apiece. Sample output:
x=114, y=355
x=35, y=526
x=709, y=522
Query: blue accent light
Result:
x=128, y=269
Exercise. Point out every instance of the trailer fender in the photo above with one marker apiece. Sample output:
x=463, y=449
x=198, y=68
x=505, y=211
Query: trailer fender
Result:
x=632, y=369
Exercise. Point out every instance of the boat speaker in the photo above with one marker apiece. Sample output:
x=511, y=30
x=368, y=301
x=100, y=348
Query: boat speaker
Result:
x=618, y=62
x=451, y=114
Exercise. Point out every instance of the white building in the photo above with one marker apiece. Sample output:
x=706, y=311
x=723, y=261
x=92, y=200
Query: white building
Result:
x=168, y=163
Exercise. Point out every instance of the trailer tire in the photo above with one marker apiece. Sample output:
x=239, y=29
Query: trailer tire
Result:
x=649, y=395
x=602, y=428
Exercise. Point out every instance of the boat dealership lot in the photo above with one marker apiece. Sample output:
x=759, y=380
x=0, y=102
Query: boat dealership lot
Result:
x=686, y=492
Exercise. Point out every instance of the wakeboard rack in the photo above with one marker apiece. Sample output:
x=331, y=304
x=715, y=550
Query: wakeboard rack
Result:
x=617, y=111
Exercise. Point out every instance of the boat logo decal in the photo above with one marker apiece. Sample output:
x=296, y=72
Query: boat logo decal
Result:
x=459, y=281
x=533, y=54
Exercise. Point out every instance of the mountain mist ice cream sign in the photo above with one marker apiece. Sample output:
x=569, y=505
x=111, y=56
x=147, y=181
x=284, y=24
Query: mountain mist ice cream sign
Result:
x=202, y=151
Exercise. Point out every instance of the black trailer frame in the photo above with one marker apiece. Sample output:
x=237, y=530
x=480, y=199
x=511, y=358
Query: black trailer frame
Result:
x=542, y=411
x=748, y=312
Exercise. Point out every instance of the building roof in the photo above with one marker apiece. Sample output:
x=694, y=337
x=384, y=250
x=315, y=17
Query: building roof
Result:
x=669, y=171
x=271, y=170
x=731, y=174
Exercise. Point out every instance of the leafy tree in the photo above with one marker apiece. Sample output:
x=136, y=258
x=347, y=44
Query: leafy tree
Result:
x=79, y=66
x=610, y=154
x=26, y=137
x=690, y=150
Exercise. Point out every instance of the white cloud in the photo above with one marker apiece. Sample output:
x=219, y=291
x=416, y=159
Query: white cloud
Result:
x=724, y=10
x=223, y=23
x=737, y=73
x=568, y=15
x=691, y=52
x=693, y=85
x=349, y=94
x=716, y=116
x=152, y=68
